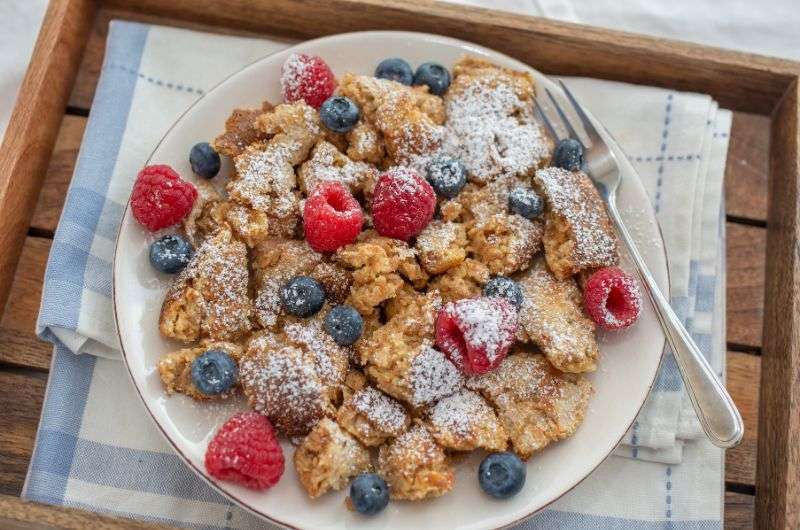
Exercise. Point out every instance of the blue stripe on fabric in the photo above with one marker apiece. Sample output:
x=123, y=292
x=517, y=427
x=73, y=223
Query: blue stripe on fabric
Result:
x=669, y=376
x=558, y=520
x=706, y=285
x=85, y=202
x=139, y=470
x=62, y=414
x=110, y=219
x=98, y=275
x=142, y=517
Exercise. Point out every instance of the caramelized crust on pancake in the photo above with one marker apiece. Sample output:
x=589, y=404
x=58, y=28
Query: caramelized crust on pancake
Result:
x=553, y=318
x=209, y=298
x=415, y=466
x=175, y=369
x=536, y=403
x=328, y=458
x=578, y=233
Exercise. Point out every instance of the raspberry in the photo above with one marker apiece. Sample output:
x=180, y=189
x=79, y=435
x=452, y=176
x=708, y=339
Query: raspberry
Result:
x=332, y=218
x=476, y=333
x=245, y=450
x=308, y=78
x=612, y=298
x=403, y=204
x=161, y=198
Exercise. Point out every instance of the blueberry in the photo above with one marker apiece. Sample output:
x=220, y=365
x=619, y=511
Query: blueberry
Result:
x=214, y=372
x=344, y=324
x=504, y=287
x=502, y=475
x=369, y=493
x=434, y=75
x=204, y=160
x=447, y=176
x=525, y=202
x=302, y=296
x=170, y=253
x=395, y=69
x=339, y=114
x=568, y=154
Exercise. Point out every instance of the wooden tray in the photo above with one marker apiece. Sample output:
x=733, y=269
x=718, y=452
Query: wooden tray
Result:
x=44, y=133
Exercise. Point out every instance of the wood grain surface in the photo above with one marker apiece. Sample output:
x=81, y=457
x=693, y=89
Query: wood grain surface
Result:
x=739, y=80
x=34, y=124
x=747, y=168
x=16, y=514
x=778, y=480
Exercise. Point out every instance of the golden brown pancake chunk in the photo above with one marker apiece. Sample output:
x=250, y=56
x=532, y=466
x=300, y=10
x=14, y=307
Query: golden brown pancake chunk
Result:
x=578, y=234
x=553, y=318
x=372, y=416
x=441, y=246
x=464, y=281
x=505, y=243
x=490, y=116
x=536, y=403
x=241, y=131
x=281, y=381
x=465, y=421
x=209, y=298
x=175, y=369
x=415, y=466
x=328, y=458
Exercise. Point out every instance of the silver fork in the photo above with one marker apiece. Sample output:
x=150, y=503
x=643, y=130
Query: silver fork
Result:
x=718, y=415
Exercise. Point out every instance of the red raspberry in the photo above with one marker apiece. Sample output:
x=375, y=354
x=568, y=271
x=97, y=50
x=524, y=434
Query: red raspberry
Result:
x=245, y=450
x=476, y=333
x=161, y=198
x=332, y=218
x=308, y=78
x=612, y=298
x=402, y=204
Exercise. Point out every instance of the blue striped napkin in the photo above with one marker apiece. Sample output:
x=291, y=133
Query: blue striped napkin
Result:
x=97, y=449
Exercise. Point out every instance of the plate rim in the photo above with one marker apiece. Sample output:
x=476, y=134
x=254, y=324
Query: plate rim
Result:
x=450, y=40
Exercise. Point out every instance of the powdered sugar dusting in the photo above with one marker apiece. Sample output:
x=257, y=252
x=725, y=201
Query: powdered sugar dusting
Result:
x=219, y=271
x=266, y=178
x=283, y=384
x=571, y=195
x=433, y=376
x=297, y=74
x=459, y=413
x=437, y=237
x=330, y=358
x=384, y=412
x=327, y=164
x=488, y=324
x=494, y=130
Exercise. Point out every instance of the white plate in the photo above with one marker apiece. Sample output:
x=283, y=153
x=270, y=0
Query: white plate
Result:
x=627, y=369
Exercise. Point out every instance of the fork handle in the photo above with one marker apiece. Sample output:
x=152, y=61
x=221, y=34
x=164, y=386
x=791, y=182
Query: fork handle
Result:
x=715, y=409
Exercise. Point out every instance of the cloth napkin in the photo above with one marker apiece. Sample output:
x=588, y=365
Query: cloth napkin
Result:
x=96, y=447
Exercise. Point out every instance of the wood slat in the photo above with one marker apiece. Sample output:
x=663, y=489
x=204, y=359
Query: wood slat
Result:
x=34, y=125
x=743, y=370
x=745, y=252
x=59, y=174
x=16, y=514
x=739, y=510
x=778, y=478
x=20, y=345
x=747, y=167
x=20, y=400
